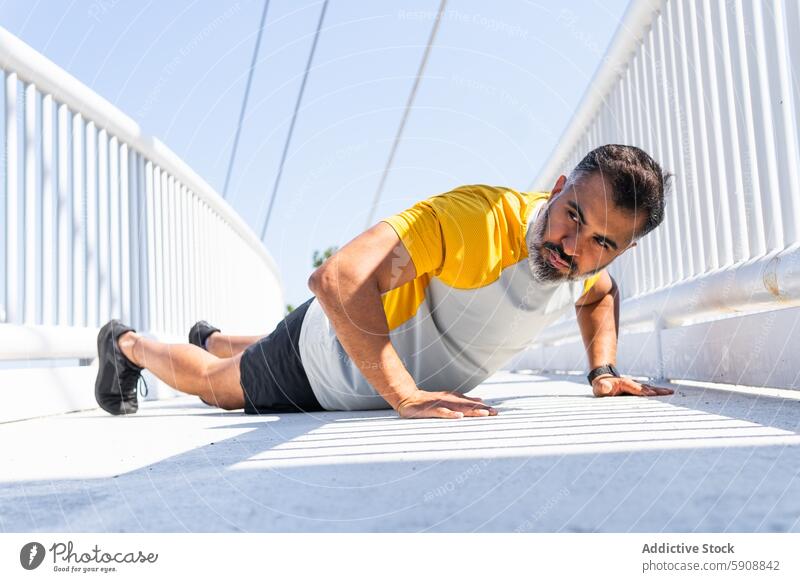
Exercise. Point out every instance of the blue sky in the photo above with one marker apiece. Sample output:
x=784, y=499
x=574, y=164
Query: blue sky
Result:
x=500, y=86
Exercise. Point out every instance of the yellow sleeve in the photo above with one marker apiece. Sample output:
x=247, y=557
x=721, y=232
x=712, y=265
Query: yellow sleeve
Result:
x=466, y=236
x=419, y=230
x=590, y=281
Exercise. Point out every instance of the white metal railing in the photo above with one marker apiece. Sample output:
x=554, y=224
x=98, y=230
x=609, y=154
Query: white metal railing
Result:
x=101, y=221
x=711, y=90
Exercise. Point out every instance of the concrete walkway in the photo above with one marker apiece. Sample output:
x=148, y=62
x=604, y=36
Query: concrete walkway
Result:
x=554, y=459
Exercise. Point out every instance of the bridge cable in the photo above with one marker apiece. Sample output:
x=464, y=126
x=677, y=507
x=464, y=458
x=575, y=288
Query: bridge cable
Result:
x=294, y=119
x=246, y=96
x=409, y=105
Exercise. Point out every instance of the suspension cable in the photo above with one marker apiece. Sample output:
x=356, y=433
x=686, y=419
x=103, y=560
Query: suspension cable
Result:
x=409, y=105
x=294, y=119
x=246, y=97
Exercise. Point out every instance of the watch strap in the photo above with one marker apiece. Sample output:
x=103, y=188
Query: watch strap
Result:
x=602, y=370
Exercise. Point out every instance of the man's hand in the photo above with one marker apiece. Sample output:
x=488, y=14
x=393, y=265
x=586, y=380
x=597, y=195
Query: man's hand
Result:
x=425, y=404
x=613, y=386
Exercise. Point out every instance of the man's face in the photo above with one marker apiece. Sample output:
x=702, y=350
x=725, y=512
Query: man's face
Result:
x=579, y=231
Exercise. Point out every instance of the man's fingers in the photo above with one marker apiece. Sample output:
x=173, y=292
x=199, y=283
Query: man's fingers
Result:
x=458, y=396
x=649, y=390
x=466, y=404
x=605, y=390
x=478, y=412
x=660, y=391
x=444, y=412
x=625, y=386
x=472, y=409
x=635, y=389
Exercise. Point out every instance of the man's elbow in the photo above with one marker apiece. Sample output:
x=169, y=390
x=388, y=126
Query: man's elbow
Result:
x=614, y=292
x=320, y=280
x=335, y=277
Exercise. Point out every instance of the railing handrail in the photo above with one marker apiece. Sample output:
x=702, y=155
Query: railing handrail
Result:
x=31, y=67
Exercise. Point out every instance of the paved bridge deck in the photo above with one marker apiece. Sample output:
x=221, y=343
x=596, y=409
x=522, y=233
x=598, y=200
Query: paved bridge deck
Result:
x=554, y=459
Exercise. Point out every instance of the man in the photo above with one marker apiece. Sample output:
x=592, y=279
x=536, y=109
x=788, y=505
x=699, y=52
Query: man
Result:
x=426, y=304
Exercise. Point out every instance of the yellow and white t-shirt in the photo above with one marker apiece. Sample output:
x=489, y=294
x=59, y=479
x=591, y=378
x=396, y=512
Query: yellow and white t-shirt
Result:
x=473, y=305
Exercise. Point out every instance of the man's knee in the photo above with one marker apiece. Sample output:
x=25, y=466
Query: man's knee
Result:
x=223, y=388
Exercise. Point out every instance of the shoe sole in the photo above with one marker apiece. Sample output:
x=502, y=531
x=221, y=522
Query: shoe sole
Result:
x=102, y=348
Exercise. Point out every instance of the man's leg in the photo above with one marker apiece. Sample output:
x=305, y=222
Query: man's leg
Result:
x=228, y=346
x=188, y=369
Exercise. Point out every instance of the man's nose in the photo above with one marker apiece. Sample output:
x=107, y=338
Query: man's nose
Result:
x=570, y=246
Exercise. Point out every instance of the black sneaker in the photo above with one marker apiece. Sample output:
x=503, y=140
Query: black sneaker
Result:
x=117, y=376
x=200, y=332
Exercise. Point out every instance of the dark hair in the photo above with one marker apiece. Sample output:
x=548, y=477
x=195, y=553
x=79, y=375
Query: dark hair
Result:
x=637, y=181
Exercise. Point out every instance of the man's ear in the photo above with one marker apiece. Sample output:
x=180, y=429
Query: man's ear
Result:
x=559, y=185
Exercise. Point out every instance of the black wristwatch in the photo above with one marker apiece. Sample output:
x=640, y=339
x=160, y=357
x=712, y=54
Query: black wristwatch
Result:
x=601, y=370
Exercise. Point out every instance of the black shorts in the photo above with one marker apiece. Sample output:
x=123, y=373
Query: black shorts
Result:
x=272, y=374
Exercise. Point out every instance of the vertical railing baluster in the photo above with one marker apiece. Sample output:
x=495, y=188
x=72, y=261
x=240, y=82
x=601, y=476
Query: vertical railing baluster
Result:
x=135, y=250
x=170, y=270
x=673, y=244
x=150, y=216
x=661, y=266
x=124, y=235
x=144, y=244
x=114, y=227
x=205, y=287
x=158, y=250
x=193, y=293
x=92, y=262
x=78, y=225
x=792, y=56
x=731, y=136
x=177, y=253
x=744, y=108
x=706, y=209
x=166, y=300
x=12, y=291
x=716, y=172
x=786, y=132
x=33, y=231
x=642, y=251
x=185, y=260
x=64, y=222
x=768, y=186
x=689, y=155
x=213, y=269
x=49, y=224
x=104, y=229
x=633, y=284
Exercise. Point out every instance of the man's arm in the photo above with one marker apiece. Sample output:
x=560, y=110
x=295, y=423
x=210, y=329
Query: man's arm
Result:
x=598, y=318
x=348, y=286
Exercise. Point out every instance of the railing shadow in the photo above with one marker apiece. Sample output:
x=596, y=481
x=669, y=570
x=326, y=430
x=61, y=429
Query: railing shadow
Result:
x=371, y=471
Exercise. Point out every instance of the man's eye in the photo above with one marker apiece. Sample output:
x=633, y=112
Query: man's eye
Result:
x=573, y=216
x=601, y=242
